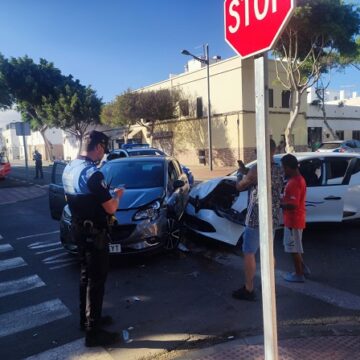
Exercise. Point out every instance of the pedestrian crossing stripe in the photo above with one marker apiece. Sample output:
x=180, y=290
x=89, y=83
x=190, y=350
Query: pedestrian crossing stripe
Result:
x=20, y=285
x=12, y=263
x=5, y=248
x=73, y=350
x=32, y=316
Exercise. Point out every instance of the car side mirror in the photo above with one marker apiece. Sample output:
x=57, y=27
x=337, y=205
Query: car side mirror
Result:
x=178, y=184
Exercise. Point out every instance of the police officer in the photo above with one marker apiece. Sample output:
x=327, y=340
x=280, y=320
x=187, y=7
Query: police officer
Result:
x=37, y=157
x=91, y=204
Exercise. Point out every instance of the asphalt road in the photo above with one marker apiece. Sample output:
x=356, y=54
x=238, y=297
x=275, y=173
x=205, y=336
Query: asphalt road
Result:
x=167, y=301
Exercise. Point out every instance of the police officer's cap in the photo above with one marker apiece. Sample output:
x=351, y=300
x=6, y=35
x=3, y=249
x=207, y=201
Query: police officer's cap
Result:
x=94, y=138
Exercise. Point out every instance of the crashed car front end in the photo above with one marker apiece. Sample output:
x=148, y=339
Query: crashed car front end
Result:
x=216, y=210
x=136, y=230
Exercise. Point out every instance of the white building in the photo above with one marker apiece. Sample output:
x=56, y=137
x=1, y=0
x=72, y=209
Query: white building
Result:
x=14, y=144
x=342, y=113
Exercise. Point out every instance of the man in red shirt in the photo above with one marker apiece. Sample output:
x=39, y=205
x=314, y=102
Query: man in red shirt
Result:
x=293, y=205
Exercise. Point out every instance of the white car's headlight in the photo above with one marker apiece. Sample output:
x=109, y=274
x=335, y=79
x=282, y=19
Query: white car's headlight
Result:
x=151, y=212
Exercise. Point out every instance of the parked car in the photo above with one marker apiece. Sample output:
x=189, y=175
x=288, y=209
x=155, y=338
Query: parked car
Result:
x=340, y=146
x=5, y=166
x=216, y=210
x=150, y=211
x=127, y=150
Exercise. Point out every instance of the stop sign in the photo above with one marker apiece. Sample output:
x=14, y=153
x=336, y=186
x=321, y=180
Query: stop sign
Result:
x=253, y=26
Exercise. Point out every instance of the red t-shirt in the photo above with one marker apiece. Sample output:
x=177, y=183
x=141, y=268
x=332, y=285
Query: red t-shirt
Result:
x=295, y=194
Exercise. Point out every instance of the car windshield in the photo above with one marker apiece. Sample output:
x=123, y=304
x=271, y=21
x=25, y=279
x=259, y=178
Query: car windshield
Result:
x=140, y=174
x=329, y=146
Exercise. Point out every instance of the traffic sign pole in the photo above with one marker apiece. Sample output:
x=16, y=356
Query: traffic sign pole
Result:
x=265, y=208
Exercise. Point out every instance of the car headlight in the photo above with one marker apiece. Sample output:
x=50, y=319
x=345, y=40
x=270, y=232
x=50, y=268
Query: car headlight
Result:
x=151, y=212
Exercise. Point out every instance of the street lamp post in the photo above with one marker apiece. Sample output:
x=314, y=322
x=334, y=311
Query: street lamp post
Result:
x=207, y=62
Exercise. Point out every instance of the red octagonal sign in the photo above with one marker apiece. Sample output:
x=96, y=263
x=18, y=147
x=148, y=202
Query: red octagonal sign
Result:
x=253, y=26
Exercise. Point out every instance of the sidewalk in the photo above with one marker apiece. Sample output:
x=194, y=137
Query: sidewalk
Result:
x=306, y=348
x=202, y=172
x=10, y=195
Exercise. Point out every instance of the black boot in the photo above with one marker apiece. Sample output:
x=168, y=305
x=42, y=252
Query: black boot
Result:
x=100, y=337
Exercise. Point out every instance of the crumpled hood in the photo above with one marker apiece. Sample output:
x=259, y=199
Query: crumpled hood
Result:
x=135, y=198
x=203, y=189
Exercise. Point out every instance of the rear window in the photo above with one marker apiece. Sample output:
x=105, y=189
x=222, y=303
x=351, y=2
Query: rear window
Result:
x=134, y=175
x=329, y=146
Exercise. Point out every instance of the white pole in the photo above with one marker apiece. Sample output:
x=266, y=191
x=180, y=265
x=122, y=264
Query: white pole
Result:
x=209, y=107
x=265, y=208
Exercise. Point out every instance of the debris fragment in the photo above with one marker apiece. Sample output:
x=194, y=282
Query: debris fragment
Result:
x=183, y=247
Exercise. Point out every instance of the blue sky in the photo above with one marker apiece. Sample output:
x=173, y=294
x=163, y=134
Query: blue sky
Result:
x=116, y=44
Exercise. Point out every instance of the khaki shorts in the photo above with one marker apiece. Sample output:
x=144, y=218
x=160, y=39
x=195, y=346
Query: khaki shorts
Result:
x=293, y=240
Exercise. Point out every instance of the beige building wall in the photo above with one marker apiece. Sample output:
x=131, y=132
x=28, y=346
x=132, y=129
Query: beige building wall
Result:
x=232, y=96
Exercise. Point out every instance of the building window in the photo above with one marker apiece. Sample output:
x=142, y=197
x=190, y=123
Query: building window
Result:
x=285, y=99
x=314, y=137
x=271, y=98
x=356, y=134
x=184, y=107
x=199, y=107
x=340, y=134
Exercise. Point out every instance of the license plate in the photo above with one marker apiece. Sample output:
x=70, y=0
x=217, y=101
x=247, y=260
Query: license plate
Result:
x=114, y=248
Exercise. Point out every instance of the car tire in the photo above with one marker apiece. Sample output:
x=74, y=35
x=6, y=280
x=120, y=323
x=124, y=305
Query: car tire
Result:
x=174, y=234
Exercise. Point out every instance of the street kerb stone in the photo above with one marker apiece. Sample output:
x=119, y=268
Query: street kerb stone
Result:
x=319, y=348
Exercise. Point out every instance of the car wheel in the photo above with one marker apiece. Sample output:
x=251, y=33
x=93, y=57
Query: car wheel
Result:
x=173, y=235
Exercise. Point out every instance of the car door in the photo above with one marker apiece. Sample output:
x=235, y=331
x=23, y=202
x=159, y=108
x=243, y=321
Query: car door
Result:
x=325, y=198
x=176, y=197
x=57, y=199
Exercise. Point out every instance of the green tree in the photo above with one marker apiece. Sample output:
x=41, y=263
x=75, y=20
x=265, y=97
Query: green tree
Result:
x=29, y=85
x=5, y=96
x=320, y=32
x=121, y=112
x=142, y=107
x=74, y=108
x=157, y=105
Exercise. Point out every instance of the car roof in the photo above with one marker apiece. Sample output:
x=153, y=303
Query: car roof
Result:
x=310, y=155
x=142, y=158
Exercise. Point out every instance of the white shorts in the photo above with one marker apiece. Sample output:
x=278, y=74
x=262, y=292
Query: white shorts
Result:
x=293, y=240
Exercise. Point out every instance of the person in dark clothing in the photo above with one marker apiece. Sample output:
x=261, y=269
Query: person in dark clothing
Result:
x=91, y=205
x=37, y=157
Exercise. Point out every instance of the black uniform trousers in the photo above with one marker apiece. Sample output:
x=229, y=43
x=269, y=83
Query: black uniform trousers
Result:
x=94, y=267
x=39, y=169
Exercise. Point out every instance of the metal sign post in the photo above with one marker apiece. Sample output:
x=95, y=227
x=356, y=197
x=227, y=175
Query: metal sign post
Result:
x=23, y=129
x=26, y=158
x=265, y=208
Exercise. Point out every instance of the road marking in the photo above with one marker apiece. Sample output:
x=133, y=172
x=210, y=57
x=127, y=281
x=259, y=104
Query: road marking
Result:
x=48, y=251
x=64, y=265
x=32, y=316
x=322, y=292
x=38, y=235
x=12, y=263
x=20, y=285
x=51, y=258
x=311, y=288
x=5, y=248
x=44, y=245
x=73, y=350
x=59, y=261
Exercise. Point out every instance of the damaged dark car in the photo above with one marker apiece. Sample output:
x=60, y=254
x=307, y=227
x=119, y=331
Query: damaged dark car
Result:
x=150, y=212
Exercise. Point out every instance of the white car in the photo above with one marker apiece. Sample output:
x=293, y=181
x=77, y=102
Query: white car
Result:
x=216, y=210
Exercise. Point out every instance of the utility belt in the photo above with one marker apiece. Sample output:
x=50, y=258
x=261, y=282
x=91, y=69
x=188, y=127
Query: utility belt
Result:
x=99, y=237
